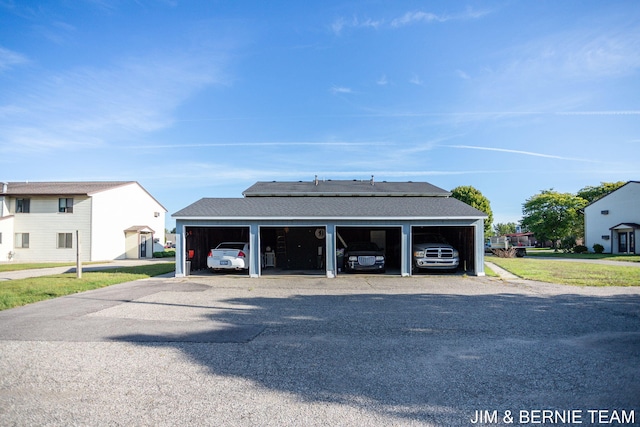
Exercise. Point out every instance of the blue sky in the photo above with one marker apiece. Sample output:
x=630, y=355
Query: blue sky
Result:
x=202, y=98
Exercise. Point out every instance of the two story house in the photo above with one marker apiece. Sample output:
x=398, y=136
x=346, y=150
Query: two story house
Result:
x=613, y=221
x=41, y=221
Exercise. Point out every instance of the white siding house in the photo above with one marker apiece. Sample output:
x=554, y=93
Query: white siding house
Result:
x=614, y=220
x=115, y=220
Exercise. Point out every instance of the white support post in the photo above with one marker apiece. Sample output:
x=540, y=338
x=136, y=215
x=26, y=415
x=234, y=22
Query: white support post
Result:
x=479, y=248
x=254, y=251
x=78, y=260
x=406, y=257
x=330, y=241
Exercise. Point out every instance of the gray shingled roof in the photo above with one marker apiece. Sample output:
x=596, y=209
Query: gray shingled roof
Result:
x=343, y=188
x=329, y=207
x=61, y=188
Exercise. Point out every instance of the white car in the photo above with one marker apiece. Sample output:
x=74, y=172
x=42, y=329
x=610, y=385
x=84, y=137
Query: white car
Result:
x=229, y=256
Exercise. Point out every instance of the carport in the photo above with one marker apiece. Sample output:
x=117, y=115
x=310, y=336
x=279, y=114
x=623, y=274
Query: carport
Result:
x=301, y=226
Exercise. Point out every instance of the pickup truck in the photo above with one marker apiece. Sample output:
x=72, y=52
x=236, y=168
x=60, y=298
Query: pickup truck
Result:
x=229, y=256
x=432, y=251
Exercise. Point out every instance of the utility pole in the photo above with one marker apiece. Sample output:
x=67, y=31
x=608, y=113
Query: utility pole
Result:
x=78, y=261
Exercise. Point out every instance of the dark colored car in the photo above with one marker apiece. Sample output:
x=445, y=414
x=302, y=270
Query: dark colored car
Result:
x=364, y=256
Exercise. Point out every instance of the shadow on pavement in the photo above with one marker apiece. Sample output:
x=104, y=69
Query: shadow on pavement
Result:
x=429, y=357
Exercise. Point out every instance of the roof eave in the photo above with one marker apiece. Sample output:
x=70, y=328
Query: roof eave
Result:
x=324, y=218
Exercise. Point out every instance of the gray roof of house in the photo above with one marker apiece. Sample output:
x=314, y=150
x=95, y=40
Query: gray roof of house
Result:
x=68, y=188
x=329, y=207
x=343, y=188
x=61, y=188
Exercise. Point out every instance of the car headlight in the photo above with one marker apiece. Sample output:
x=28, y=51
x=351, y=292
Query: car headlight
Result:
x=379, y=258
x=456, y=254
x=353, y=258
x=418, y=254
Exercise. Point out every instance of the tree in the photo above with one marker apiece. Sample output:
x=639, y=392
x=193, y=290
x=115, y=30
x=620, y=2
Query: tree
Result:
x=502, y=229
x=591, y=193
x=553, y=216
x=474, y=198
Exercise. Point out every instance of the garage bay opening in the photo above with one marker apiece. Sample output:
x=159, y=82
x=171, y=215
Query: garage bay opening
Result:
x=293, y=250
x=200, y=241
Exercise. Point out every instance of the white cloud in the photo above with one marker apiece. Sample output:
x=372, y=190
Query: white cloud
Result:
x=569, y=56
x=463, y=75
x=340, y=89
x=10, y=59
x=264, y=144
x=339, y=24
x=416, y=80
x=382, y=81
x=526, y=153
x=93, y=105
x=428, y=17
x=409, y=18
x=600, y=113
x=418, y=16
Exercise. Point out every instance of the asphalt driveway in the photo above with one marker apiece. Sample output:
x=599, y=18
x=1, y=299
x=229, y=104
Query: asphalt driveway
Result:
x=351, y=351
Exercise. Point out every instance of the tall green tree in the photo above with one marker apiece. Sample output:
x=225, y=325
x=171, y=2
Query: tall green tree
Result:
x=592, y=193
x=504, y=228
x=553, y=216
x=474, y=197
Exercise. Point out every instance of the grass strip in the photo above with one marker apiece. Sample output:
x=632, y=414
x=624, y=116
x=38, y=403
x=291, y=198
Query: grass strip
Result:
x=15, y=293
x=608, y=257
x=489, y=272
x=570, y=273
x=16, y=267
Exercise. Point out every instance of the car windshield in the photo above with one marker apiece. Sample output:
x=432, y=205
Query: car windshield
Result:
x=429, y=238
x=363, y=246
x=230, y=246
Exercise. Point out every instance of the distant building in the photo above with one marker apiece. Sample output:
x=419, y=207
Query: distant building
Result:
x=115, y=220
x=613, y=221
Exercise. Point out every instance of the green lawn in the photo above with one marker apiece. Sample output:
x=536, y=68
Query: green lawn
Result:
x=14, y=293
x=10, y=266
x=608, y=257
x=569, y=273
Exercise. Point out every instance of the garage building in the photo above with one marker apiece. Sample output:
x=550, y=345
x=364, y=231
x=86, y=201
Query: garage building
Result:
x=302, y=227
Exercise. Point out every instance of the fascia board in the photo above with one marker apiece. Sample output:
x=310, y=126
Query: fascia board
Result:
x=326, y=218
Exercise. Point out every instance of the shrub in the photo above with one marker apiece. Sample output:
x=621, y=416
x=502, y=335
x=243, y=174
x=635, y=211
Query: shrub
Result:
x=165, y=254
x=505, y=253
x=598, y=248
x=580, y=249
x=568, y=243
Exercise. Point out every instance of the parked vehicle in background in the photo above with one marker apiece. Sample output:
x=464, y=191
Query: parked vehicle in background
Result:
x=364, y=256
x=432, y=251
x=229, y=256
x=501, y=244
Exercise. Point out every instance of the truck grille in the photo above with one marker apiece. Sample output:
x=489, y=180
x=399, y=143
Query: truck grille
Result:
x=366, y=260
x=439, y=253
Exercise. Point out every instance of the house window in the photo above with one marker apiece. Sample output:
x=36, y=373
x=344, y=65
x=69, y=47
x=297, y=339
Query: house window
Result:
x=65, y=205
x=0, y=238
x=23, y=205
x=22, y=240
x=606, y=212
x=65, y=240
